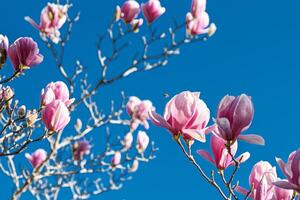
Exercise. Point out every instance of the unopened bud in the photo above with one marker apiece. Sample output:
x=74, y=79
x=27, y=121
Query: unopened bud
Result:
x=22, y=111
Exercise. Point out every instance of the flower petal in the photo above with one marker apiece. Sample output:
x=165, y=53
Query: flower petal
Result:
x=253, y=139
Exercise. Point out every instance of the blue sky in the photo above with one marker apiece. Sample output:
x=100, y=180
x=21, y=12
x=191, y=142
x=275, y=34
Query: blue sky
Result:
x=255, y=51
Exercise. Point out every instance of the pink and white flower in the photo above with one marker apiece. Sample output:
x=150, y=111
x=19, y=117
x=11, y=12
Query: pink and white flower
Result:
x=185, y=114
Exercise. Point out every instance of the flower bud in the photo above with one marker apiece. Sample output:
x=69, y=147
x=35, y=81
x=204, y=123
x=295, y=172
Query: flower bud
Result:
x=22, y=111
x=142, y=141
x=37, y=157
x=116, y=160
x=152, y=10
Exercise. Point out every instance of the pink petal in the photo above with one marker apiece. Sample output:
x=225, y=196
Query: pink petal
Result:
x=206, y=155
x=253, y=139
x=158, y=120
x=286, y=185
x=244, y=157
x=195, y=134
x=241, y=190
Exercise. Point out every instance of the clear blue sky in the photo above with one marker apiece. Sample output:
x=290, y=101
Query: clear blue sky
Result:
x=255, y=51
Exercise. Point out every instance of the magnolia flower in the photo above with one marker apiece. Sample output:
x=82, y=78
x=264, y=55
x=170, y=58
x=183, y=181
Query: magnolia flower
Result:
x=197, y=21
x=56, y=91
x=3, y=49
x=261, y=179
x=185, y=114
x=80, y=149
x=127, y=141
x=129, y=11
x=24, y=53
x=55, y=116
x=234, y=116
x=152, y=10
x=139, y=111
x=291, y=170
x=53, y=17
x=222, y=159
x=37, y=157
x=142, y=141
x=116, y=159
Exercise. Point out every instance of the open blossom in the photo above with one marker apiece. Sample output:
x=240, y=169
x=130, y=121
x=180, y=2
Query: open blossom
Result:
x=152, y=10
x=185, y=114
x=139, y=111
x=37, y=157
x=235, y=115
x=56, y=91
x=197, y=21
x=142, y=141
x=80, y=149
x=261, y=178
x=55, y=116
x=291, y=170
x=116, y=159
x=53, y=17
x=129, y=11
x=24, y=53
x=222, y=159
x=3, y=49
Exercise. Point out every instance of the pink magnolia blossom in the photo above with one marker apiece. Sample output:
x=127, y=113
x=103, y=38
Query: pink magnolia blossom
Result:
x=142, y=141
x=55, y=116
x=185, y=114
x=291, y=170
x=56, y=91
x=37, y=157
x=197, y=21
x=129, y=11
x=53, y=17
x=80, y=149
x=261, y=179
x=152, y=10
x=222, y=159
x=127, y=141
x=139, y=111
x=234, y=116
x=116, y=159
x=24, y=53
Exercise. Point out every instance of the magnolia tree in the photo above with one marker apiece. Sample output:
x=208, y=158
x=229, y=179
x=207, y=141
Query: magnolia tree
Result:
x=68, y=161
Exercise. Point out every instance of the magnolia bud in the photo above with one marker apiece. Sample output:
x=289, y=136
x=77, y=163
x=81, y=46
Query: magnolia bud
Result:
x=212, y=29
x=22, y=111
